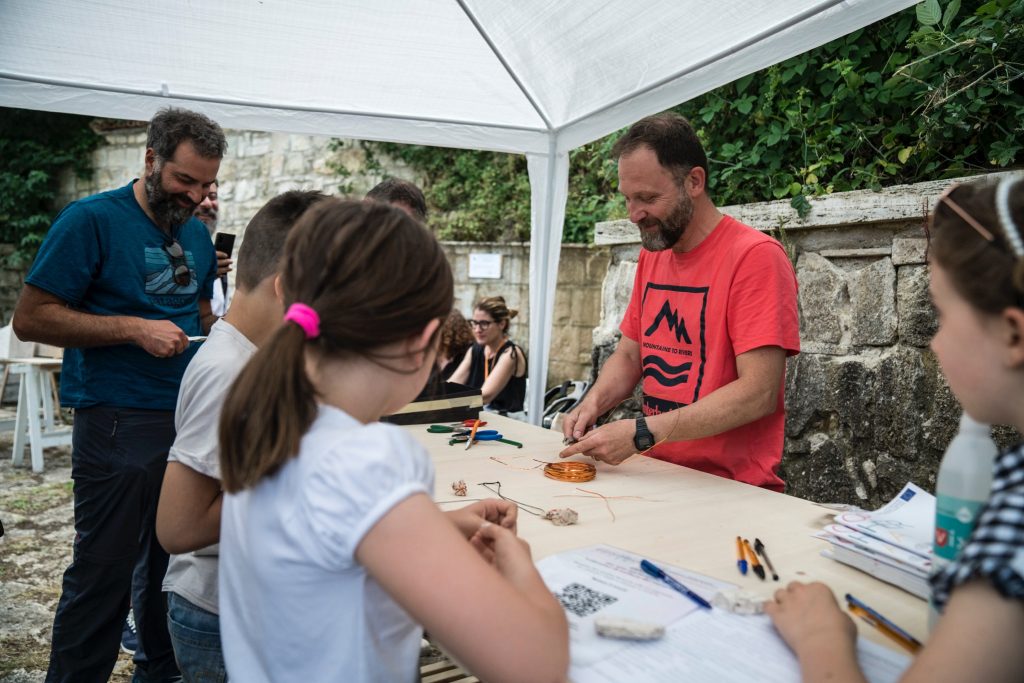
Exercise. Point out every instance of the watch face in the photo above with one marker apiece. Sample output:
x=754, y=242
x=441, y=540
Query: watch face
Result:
x=643, y=439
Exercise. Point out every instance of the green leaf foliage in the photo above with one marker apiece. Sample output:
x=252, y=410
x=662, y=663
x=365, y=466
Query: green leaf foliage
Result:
x=35, y=147
x=933, y=92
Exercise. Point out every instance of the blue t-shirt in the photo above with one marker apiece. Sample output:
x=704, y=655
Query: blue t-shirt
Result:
x=103, y=255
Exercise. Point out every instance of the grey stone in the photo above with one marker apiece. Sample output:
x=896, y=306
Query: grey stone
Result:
x=822, y=292
x=917, y=322
x=909, y=251
x=873, y=298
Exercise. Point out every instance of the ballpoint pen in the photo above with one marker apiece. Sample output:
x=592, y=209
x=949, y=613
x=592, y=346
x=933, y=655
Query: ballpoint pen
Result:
x=882, y=624
x=675, y=585
x=741, y=560
x=755, y=566
x=760, y=550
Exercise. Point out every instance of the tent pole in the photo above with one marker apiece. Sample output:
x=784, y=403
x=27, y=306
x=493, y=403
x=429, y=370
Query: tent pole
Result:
x=549, y=187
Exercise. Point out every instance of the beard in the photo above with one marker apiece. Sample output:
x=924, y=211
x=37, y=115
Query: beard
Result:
x=670, y=230
x=208, y=216
x=163, y=204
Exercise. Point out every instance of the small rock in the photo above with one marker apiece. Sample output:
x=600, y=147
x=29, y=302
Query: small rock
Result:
x=628, y=629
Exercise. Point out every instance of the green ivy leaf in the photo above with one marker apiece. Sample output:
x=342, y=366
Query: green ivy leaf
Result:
x=952, y=9
x=801, y=204
x=929, y=13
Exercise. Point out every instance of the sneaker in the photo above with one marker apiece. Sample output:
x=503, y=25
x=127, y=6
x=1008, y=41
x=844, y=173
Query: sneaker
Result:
x=129, y=635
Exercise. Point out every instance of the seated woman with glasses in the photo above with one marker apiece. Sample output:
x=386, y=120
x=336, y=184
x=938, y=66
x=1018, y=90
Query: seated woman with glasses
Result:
x=494, y=364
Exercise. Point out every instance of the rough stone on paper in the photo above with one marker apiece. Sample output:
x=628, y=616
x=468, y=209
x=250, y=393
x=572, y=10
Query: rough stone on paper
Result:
x=627, y=629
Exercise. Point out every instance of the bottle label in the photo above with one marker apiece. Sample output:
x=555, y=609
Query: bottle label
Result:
x=954, y=521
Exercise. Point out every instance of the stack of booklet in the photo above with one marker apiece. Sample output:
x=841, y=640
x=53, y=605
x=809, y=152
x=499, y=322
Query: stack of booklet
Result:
x=893, y=544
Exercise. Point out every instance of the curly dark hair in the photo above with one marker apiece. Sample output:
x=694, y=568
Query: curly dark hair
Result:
x=172, y=126
x=456, y=336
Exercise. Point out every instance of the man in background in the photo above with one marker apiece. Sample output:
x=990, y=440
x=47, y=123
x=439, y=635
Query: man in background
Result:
x=403, y=194
x=122, y=281
x=208, y=212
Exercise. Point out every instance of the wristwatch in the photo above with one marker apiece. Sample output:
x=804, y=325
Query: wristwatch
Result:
x=643, y=439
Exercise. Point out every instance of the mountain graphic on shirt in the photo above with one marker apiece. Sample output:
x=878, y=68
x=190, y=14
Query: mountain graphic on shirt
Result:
x=673, y=321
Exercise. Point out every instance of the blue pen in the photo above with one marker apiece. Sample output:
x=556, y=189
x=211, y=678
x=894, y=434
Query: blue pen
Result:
x=660, y=574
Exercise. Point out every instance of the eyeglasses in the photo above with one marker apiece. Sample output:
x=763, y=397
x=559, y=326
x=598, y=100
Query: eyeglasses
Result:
x=482, y=324
x=182, y=274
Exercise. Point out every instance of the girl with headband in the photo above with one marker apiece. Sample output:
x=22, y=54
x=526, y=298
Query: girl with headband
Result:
x=332, y=552
x=977, y=286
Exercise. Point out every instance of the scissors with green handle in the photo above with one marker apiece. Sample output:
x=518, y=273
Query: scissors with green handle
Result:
x=455, y=427
x=483, y=435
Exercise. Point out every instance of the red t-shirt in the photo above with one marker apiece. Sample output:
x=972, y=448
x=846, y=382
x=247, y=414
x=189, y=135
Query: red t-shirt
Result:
x=692, y=314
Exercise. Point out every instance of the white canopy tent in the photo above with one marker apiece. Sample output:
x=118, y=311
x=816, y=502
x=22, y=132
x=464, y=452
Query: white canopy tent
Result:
x=538, y=77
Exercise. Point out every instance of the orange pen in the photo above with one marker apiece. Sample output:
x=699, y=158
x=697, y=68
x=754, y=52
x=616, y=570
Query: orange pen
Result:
x=755, y=566
x=741, y=556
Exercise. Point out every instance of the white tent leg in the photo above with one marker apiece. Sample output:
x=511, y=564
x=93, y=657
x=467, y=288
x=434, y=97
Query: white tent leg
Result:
x=549, y=187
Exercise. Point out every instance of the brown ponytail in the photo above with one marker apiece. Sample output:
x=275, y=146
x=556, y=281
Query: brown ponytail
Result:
x=374, y=276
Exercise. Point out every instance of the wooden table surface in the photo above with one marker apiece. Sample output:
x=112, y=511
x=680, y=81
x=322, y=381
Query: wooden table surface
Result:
x=679, y=516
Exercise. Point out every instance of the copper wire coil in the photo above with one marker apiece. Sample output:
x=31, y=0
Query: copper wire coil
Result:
x=570, y=471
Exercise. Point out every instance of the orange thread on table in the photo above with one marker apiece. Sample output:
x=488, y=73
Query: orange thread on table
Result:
x=570, y=471
x=521, y=469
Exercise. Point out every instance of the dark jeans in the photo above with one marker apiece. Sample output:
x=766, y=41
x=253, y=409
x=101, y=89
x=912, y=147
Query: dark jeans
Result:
x=118, y=459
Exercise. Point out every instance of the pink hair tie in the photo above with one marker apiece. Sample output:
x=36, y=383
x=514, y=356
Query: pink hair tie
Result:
x=306, y=318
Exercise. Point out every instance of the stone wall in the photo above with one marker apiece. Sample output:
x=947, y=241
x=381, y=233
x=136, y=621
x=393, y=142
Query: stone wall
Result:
x=581, y=271
x=260, y=165
x=868, y=408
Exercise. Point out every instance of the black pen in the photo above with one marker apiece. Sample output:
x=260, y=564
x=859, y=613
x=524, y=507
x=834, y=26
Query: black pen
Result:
x=759, y=547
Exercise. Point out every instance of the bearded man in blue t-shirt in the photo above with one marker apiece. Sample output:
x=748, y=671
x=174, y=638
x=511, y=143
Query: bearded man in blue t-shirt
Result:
x=122, y=281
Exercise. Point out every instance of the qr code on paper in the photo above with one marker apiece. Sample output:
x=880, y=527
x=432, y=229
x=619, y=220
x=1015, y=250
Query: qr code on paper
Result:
x=583, y=601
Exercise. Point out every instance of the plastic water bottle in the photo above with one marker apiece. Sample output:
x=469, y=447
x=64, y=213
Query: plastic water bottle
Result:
x=963, y=487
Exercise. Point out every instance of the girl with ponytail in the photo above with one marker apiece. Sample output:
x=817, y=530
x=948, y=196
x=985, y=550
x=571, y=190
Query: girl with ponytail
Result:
x=332, y=552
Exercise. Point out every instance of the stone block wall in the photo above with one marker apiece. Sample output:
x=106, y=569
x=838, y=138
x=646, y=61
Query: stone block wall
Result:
x=868, y=408
x=260, y=165
x=581, y=271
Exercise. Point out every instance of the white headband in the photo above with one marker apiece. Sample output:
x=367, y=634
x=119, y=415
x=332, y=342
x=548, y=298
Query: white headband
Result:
x=1010, y=229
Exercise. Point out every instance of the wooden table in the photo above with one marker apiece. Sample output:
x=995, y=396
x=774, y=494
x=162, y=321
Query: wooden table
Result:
x=682, y=517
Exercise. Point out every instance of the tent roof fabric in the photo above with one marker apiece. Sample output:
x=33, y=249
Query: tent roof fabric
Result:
x=470, y=73
x=538, y=77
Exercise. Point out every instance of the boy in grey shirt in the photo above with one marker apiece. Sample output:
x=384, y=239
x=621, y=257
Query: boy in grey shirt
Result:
x=188, y=515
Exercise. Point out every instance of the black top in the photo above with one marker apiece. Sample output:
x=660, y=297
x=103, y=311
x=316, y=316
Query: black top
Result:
x=510, y=398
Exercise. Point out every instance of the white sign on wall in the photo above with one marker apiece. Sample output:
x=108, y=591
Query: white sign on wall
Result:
x=485, y=266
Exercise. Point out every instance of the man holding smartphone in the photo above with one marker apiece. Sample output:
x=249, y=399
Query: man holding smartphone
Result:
x=208, y=212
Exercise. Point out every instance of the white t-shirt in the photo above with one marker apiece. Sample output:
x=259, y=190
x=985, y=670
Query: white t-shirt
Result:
x=204, y=387
x=294, y=603
x=218, y=304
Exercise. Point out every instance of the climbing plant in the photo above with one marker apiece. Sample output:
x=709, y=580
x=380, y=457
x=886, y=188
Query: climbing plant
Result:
x=932, y=92
x=35, y=147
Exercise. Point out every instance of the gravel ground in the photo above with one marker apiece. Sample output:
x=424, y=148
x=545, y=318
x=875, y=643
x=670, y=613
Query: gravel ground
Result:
x=37, y=514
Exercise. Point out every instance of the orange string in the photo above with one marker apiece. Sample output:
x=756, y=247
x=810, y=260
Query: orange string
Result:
x=570, y=471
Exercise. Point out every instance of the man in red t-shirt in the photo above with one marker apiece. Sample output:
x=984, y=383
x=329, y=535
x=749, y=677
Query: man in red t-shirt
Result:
x=709, y=325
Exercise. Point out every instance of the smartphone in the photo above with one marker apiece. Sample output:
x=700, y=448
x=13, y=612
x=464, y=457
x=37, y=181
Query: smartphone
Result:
x=224, y=241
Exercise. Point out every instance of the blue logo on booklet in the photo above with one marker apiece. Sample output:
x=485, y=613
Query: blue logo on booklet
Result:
x=907, y=494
